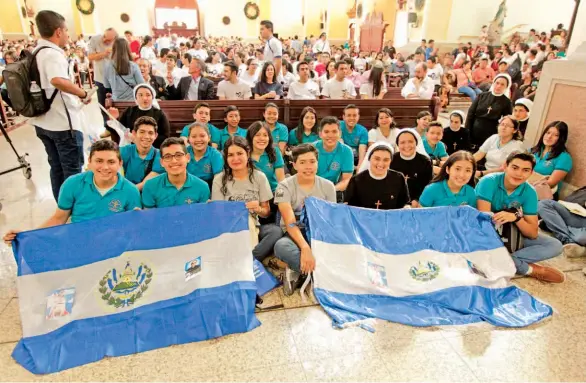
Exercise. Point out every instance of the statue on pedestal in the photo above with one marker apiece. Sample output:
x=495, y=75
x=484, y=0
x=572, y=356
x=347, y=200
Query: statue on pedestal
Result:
x=495, y=29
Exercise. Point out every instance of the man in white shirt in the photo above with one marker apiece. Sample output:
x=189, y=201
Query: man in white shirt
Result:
x=419, y=86
x=232, y=88
x=360, y=62
x=63, y=141
x=163, y=42
x=434, y=71
x=198, y=51
x=99, y=51
x=273, y=48
x=304, y=89
x=172, y=74
x=160, y=65
x=339, y=87
x=322, y=45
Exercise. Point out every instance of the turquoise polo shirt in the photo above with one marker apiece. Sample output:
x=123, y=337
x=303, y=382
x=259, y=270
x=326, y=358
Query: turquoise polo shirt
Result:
x=159, y=192
x=280, y=134
x=491, y=188
x=208, y=166
x=214, y=133
x=546, y=166
x=305, y=139
x=331, y=165
x=224, y=136
x=439, y=194
x=436, y=153
x=135, y=167
x=80, y=195
x=264, y=165
x=359, y=136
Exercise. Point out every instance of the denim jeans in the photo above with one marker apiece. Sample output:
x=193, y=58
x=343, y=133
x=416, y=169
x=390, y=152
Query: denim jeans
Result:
x=102, y=91
x=534, y=250
x=268, y=236
x=287, y=251
x=65, y=155
x=565, y=226
x=470, y=92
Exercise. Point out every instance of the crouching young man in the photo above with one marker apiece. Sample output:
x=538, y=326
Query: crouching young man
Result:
x=513, y=200
x=101, y=191
x=293, y=249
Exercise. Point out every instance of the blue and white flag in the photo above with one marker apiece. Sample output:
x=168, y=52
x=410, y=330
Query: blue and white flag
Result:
x=133, y=282
x=420, y=267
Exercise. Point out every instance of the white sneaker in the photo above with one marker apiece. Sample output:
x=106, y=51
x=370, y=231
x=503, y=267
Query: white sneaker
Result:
x=573, y=250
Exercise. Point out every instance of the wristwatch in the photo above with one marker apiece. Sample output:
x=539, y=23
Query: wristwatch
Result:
x=519, y=215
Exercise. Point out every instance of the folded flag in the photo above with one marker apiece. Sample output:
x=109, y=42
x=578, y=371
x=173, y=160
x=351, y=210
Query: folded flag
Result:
x=133, y=282
x=419, y=267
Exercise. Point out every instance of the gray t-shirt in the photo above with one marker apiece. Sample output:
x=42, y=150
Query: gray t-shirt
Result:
x=289, y=191
x=96, y=45
x=246, y=191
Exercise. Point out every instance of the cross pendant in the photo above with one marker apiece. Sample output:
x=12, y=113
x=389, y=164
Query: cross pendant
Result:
x=489, y=109
x=377, y=204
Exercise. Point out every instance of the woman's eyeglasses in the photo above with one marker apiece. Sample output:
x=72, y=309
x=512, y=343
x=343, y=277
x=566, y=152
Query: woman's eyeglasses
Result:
x=177, y=156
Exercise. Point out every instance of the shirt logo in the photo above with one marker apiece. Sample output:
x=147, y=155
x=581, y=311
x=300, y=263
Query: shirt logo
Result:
x=279, y=192
x=548, y=163
x=189, y=201
x=335, y=166
x=115, y=206
x=356, y=140
x=207, y=168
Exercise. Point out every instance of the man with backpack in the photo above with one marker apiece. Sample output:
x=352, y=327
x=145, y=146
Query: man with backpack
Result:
x=58, y=127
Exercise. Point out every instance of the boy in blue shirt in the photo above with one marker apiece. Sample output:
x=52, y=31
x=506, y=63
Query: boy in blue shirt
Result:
x=232, y=118
x=513, y=200
x=177, y=186
x=433, y=145
x=140, y=160
x=202, y=113
x=99, y=192
x=354, y=134
x=279, y=131
x=335, y=161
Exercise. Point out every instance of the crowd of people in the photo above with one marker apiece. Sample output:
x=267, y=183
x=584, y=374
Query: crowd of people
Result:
x=477, y=160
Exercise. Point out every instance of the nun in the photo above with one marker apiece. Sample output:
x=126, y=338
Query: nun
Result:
x=376, y=186
x=146, y=105
x=456, y=137
x=521, y=112
x=487, y=110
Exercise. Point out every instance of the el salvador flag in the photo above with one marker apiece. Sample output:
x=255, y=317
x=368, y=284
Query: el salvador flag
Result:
x=419, y=267
x=133, y=282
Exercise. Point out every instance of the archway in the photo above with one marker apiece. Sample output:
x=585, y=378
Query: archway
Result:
x=181, y=17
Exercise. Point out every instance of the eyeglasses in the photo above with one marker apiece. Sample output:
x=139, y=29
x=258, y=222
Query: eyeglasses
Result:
x=176, y=156
x=505, y=125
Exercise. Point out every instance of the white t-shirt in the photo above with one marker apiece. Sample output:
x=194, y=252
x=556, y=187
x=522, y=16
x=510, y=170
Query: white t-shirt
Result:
x=360, y=64
x=288, y=79
x=273, y=49
x=435, y=74
x=368, y=89
x=425, y=91
x=238, y=91
x=375, y=135
x=321, y=46
x=335, y=89
x=247, y=78
x=497, y=155
x=159, y=67
x=303, y=91
x=163, y=42
x=215, y=70
x=322, y=80
x=201, y=54
x=148, y=53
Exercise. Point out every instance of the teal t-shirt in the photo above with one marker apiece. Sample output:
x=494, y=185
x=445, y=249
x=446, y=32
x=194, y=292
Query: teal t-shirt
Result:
x=436, y=153
x=305, y=139
x=159, y=192
x=135, y=167
x=214, y=133
x=280, y=134
x=208, y=166
x=491, y=188
x=264, y=165
x=358, y=136
x=439, y=194
x=225, y=136
x=80, y=195
x=331, y=165
x=546, y=166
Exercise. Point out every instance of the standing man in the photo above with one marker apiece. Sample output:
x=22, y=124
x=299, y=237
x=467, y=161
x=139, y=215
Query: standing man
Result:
x=62, y=141
x=322, y=45
x=273, y=48
x=100, y=49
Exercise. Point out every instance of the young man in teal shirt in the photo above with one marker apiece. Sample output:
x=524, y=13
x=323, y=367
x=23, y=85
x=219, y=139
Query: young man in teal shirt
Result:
x=279, y=131
x=433, y=145
x=513, y=200
x=354, y=134
x=232, y=118
x=335, y=160
x=176, y=187
x=99, y=192
x=202, y=113
x=140, y=160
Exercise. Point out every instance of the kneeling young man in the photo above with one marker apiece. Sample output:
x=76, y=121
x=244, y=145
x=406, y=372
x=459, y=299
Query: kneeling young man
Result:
x=141, y=160
x=502, y=193
x=99, y=192
x=290, y=195
x=175, y=187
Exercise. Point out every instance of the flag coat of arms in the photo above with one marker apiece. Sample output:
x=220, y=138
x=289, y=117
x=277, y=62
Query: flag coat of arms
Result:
x=133, y=282
x=420, y=267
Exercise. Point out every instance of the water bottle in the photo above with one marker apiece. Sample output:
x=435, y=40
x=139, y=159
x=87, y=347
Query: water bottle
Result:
x=37, y=96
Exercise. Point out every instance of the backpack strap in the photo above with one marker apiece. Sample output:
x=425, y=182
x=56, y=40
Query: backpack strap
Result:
x=149, y=167
x=33, y=59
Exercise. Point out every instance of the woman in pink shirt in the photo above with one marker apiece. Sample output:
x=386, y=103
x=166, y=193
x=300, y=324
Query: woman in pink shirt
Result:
x=464, y=81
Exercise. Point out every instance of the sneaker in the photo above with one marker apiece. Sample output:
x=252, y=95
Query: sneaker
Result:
x=547, y=274
x=290, y=281
x=573, y=250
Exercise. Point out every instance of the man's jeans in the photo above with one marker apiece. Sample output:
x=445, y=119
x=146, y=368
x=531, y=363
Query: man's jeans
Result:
x=470, y=92
x=288, y=251
x=65, y=155
x=268, y=236
x=102, y=91
x=565, y=226
x=535, y=250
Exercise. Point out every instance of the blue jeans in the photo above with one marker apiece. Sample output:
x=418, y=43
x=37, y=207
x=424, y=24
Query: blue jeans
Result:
x=268, y=236
x=287, y=251
x=470, y=92
x=534, y=250
x=565, y=226
x=64, y=153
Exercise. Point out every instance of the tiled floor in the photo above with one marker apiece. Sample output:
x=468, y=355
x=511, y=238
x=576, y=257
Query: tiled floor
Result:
x=298, y=343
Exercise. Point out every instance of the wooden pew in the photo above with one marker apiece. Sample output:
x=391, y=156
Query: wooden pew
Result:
x=180, y=113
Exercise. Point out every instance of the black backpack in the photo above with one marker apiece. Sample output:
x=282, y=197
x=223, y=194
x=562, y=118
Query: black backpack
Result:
x=18, y=77
x=515, y=70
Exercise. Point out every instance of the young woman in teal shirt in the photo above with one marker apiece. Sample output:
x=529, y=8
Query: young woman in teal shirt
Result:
x=551, y=156
x=265, y=156
x=454, y=185
x=205, y=161
x=306, y=132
